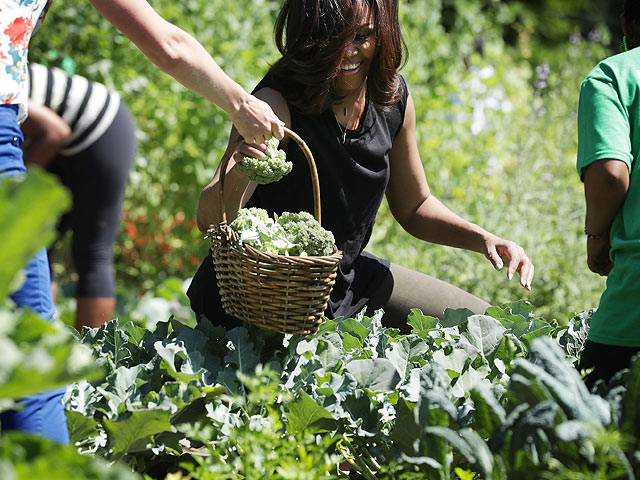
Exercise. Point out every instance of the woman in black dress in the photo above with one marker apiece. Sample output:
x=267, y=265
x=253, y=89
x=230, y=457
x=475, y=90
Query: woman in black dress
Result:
x=337, y=86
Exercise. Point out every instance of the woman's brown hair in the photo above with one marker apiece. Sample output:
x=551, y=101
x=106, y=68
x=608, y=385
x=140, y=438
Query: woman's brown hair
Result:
x=311, y=36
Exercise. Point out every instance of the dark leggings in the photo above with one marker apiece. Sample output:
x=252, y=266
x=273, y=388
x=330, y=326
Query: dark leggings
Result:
x=97, y=178
x=606, y=360
x=404, y=289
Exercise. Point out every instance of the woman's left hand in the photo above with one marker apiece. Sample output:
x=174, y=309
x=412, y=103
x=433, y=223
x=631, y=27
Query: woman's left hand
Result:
x=499, y=251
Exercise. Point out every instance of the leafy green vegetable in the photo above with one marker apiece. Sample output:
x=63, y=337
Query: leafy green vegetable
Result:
x=269, y=169
x=24, y=456
x=289, y=234
x=462, y=394
x=254, y=226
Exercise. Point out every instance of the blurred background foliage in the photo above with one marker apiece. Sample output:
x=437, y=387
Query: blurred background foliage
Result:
x=495, y=83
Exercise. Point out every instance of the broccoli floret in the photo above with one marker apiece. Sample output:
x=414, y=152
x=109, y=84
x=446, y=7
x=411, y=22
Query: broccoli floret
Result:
x=307, y=234
x=270, y=169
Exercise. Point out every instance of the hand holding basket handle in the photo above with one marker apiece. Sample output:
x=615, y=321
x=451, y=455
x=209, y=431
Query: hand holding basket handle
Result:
x=287, y=294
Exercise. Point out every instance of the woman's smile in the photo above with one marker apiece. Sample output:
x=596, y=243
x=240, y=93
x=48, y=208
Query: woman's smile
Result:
x=351, y=68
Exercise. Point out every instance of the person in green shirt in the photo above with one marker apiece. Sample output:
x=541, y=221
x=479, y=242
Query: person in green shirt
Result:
x=608, y=148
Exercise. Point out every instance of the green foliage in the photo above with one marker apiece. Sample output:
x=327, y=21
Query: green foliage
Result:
x=28, y=209
x=39, y=355
x=269, y=169
x=26, y=457
x=192, y=392
x=491, y=395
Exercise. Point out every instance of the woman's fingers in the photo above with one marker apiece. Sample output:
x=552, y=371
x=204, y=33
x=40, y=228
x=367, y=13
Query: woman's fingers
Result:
x=526, y=274
x=277, y=130
x=259, y=140
x=518, y=262
x=256, y=122
x=245, y=149
x=495, y=259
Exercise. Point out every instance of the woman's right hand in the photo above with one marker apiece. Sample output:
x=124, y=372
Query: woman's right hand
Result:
x=256, y=122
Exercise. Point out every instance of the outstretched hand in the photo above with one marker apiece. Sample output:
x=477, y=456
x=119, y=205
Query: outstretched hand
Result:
x=256, y=122
x=500, y=251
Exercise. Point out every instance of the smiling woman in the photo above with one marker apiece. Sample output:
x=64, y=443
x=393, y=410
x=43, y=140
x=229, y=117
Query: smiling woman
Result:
x=323, y=37
x=337, y=86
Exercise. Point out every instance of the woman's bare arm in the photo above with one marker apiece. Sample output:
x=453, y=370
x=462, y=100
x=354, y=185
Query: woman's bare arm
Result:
x=180, y=55
x=424, y=216
x=237, y=187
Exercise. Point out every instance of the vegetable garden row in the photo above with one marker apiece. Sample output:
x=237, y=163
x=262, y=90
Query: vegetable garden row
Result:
x=492, y=396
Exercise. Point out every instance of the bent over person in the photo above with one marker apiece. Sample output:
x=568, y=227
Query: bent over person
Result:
x=82, y=132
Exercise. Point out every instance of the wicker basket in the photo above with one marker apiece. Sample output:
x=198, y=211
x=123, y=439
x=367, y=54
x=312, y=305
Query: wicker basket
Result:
x=275, y=292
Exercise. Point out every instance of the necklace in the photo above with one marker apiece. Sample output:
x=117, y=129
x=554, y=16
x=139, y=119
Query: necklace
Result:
x=342, y=128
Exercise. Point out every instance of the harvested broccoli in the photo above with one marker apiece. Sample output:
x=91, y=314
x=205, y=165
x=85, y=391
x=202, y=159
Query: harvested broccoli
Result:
x=306, y=234
x=296, y=234
x=269, y=169
x=254, y=226
x=249, y=217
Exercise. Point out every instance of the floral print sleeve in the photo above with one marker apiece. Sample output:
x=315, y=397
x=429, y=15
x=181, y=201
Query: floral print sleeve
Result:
x=19, y=19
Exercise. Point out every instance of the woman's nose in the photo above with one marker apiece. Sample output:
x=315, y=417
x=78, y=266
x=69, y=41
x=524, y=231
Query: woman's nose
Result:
x=351, y=50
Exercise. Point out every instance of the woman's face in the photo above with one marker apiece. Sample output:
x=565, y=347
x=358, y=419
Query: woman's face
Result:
x=359, y=53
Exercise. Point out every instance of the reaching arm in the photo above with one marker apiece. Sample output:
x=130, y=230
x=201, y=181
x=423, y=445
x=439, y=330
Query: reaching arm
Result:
x=46, y=132
x=237, y=187
x=606, y=183
x=425, y=217
x=180, y=55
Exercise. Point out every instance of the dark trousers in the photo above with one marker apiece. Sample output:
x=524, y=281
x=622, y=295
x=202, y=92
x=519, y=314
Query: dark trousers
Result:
x=606, y=360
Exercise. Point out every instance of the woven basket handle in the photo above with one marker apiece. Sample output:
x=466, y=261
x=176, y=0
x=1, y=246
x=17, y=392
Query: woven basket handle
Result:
x=312, y=168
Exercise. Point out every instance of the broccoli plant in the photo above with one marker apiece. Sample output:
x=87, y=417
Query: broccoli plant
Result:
x=296, y=234
x=269, y=169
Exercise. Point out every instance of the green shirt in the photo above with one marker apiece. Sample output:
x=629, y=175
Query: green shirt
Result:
x=609, y=128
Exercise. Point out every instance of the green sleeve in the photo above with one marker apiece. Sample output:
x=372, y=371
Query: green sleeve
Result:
x=603, y=124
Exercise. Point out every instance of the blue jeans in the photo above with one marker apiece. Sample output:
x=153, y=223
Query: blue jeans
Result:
x=42, y=413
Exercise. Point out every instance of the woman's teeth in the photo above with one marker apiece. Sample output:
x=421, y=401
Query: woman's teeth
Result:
x=350, y=66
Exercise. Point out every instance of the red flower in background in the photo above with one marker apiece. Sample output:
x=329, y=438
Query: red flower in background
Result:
x=19, y=32
x=132, y=230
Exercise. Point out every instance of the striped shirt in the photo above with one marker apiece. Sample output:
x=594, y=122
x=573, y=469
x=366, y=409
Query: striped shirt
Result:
x=89, y=108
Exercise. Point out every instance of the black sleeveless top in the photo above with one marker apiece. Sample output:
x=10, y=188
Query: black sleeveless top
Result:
x=353, y=178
